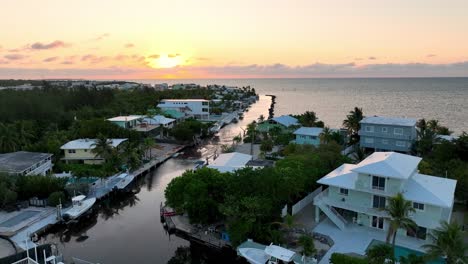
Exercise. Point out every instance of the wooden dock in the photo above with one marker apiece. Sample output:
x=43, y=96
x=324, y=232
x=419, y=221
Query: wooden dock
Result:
x=180, y=225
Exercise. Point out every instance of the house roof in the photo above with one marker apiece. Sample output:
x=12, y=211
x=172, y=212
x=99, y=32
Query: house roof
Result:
x=397, y=121
x=86, y=143
x=228, y=162
x=388, y=164
x=158, y=119
x=125, y=118
x=309, y=131
x=285, y=120
x=21, y=160
x=174, y=113
x=343, y=177
x=432, y=190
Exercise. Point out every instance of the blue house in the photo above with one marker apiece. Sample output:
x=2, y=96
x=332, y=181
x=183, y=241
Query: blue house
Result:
x=308, y=135
x=388, y=133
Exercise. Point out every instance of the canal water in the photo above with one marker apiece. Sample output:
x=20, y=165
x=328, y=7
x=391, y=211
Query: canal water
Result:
x=127, y=228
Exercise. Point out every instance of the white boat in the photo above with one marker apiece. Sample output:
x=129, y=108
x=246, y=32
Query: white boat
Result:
x=256, y=253
x=80, y=206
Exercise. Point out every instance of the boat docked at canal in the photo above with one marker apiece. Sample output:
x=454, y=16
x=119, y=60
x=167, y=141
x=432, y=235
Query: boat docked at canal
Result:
x=80, y=206
x=256, y=253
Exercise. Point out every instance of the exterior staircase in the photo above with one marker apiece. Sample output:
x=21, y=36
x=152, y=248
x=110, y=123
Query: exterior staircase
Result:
x=330, y=212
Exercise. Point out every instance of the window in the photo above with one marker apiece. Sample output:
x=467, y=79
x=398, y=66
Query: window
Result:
x=369, y=129
x=420, y=232
x=344, y=191
x=204, y=109
x=377, y=222
x=418, y=206
x=384, y=130
x=204, y=103
x=398, y=131
x=378, y=183
x=400, y=143
x=379, y=202
x=369, y=140
x=313, y=137
x=385, y=141
x=71, y=151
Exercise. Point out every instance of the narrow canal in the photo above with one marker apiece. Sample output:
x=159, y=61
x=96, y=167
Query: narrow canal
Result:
x=127, y=229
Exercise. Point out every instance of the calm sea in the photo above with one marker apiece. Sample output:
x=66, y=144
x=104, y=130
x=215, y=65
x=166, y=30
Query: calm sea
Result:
x=445, y=99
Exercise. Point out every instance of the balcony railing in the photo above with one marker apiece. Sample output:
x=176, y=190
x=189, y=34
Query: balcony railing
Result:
x=384, y=135
x=323, y=197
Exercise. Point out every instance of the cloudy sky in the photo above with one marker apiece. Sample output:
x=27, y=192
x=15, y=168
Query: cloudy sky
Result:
x=153, y=39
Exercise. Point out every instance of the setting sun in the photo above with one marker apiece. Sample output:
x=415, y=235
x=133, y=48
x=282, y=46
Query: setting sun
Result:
x=167, y=61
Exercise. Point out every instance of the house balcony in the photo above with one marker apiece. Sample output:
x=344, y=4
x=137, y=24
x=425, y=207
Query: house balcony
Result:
x=344, y=203
x=385, y=135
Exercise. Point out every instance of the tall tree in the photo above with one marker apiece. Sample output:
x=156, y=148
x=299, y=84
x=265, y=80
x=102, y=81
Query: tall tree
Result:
x=351, y=123
x=8, y=138
x=398, y=210
x=448, y=243
x=102, y=147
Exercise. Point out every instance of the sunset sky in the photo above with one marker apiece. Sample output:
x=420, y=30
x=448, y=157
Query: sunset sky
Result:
x=152, y=39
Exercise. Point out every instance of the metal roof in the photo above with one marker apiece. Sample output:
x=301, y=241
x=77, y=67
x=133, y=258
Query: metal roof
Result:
x=397, y=121
x=21, y=160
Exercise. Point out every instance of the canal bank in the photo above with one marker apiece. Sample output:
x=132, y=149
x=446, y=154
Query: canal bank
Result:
x=126, y=228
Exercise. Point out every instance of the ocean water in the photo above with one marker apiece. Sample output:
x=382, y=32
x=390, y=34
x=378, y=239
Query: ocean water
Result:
x=444, y=99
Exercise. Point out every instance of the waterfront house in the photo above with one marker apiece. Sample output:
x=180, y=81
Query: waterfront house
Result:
x=358, y=193
x=229, y=162
x=128, y=122
x=198, y=108
x=388, y=133
x=308, y=135
x=26, y=163
x=81, y=150
x=284, y=122
x=159, y=120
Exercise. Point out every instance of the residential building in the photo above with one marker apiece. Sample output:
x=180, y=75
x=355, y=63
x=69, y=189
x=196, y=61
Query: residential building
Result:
x=198, y=108
x=128, y=122
x=358, y=193
x=81, y=150
x=26, y=163
x=283, y=122
x=159, y=120
x=388, y=133
x=229, y=162
x=308, y=135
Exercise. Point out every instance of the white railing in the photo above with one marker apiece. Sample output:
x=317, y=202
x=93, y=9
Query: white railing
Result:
x=323, y=197
x=305, y=201
x=25, y=261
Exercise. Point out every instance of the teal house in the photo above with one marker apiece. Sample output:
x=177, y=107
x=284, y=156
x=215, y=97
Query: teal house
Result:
x=308, y=135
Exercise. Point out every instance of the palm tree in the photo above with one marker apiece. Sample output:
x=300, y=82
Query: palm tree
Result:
x=148, y=144
x=326, y=135
x=288, y=224
x=261, y=118
x=102, y=147
x=351, y=123
x=8, y=138
x=23, y=135
x=308, y=246
x=358, y=154
x=398, y=210
x=309, y=119
x=448, y=243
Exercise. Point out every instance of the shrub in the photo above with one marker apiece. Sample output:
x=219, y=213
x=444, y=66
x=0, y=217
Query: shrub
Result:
x=337, y=258
x=56, y=198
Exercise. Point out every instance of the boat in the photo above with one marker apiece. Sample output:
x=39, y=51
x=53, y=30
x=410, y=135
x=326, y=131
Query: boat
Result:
x=80, y=206
x=256, y=253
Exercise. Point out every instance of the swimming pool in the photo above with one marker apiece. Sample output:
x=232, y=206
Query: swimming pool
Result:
x=402, y=251
x=18, y=218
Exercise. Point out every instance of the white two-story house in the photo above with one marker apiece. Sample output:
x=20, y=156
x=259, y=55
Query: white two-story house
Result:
x=358, y=193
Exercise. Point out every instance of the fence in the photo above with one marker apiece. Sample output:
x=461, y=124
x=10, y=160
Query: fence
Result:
x=284, y=211
x=296, y=208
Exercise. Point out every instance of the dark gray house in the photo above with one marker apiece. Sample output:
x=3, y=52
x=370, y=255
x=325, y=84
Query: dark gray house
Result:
x=388, y=133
